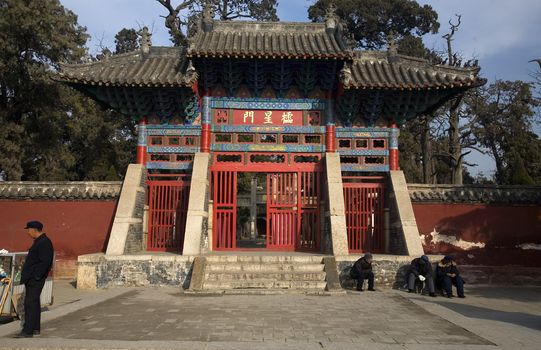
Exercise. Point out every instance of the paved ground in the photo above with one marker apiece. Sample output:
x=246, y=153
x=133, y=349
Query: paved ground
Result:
x=509, y=318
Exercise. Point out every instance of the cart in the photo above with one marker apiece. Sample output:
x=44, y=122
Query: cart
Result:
x=11, y=288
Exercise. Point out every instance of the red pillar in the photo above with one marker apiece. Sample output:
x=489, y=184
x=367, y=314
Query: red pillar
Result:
x=142, y=142
x=329, y=124
x=205, y=124
x=329, y=138
x=205, y=138
x=393, y=148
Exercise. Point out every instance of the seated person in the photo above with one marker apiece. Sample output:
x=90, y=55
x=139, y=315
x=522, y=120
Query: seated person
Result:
x=447, y=274
x=421, y=269
x=362, y=270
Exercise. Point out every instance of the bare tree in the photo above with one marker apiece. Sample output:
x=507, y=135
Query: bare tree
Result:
x=455, y=150
x=173, y=21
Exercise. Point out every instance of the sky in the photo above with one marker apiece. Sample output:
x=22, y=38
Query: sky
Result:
x=504, y=35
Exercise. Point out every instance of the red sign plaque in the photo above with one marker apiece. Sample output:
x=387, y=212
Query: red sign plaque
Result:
x=269, y=118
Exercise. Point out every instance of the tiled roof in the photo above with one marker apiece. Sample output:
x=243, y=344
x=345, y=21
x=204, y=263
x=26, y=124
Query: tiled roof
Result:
x=268, y=40
x=160, y=67
x=380, y=70
x=483, y=194
x=24, y=190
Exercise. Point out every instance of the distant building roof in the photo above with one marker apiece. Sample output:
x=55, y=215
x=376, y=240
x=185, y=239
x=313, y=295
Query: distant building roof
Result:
x=380, y=70
x=159, y=67
x=245, y=39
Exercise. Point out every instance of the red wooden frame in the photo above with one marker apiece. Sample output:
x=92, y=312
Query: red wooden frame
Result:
x=365, y=203
x=293, y=202
x=167, y=198
x=224, y=215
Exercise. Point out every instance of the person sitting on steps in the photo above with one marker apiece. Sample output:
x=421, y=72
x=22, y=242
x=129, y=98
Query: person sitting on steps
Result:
x=362, y=270
x=447, y=274
x=421, y=269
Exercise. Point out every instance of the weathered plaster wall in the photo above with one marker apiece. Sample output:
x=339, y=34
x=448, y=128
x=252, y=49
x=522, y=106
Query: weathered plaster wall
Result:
x=77, y=217
x=480, y=225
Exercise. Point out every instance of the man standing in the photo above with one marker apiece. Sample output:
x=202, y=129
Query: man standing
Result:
x=362, y=270
x=35, y=270
x=421, y=269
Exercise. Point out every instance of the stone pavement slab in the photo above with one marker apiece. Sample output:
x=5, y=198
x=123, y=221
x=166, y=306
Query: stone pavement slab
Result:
x=165, y=314
x=164, y=318
x=67, y=299
x=509, y=316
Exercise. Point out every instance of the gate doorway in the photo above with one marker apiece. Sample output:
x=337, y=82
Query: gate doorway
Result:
x=251, y=220
x=364, y=199
x=167, y=198
x=257, y=209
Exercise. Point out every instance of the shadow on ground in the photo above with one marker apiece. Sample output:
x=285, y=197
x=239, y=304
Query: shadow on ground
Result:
x=517, y=318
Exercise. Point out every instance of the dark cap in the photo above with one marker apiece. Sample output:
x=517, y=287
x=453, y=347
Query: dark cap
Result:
x=368, y=255
x=425, y=258
x=34, y=224
x=448, y=258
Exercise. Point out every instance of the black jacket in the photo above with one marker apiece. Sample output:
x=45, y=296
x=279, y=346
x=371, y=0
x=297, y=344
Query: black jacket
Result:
x=39, y=260
x=420, y=267
x=444, y=268
x=361, y=265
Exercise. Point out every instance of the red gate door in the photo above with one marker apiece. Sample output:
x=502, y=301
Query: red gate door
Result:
x=293, y=211
x=364, y=204
x=224, y=214
x=168, y=207
x=282, y=210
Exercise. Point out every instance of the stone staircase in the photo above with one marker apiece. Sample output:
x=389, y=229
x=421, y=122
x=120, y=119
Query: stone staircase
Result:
x=270, y=273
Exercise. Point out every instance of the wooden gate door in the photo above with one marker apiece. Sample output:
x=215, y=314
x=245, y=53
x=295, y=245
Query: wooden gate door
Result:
x=282, y=210
x=168, y=207
x=224, y=214
x=293, y=211
x=364, y=203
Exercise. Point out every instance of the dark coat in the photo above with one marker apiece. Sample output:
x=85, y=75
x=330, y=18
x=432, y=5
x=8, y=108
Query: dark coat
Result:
x=444, y=268
x=361, y=266
x=420, y=267
x=39, y=260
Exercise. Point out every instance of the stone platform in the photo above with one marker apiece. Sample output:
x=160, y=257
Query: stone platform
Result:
x=248, y=270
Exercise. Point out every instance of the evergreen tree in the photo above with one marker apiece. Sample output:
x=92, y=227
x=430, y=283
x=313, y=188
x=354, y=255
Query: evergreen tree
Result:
x=503, y=115
x=34, y=37
x=126, y=40
x=371, y=21
x=50, y=131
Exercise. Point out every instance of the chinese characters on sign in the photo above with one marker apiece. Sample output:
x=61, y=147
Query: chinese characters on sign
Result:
x=266, y=117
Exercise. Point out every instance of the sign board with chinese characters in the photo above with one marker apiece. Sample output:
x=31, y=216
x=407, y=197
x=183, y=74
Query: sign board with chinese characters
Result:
x=267, y=117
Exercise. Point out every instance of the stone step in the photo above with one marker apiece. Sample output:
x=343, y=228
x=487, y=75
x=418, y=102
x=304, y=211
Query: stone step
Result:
x=315, y=259
x=271, y=275
x=264, y=284
x=254, y=267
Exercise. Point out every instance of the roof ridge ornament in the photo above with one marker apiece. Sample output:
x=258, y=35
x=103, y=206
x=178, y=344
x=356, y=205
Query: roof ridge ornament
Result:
x=191, y=72
x=332, y=21
x=345, y=74
x=392, y=46
x=145, y=40
x=207, y=17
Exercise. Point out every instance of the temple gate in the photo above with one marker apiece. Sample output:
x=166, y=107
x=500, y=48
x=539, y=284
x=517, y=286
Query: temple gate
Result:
x=269, y=101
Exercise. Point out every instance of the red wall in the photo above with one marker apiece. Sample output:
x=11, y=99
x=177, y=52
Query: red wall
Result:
x=501, y=228
x=75, y=227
